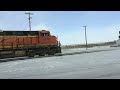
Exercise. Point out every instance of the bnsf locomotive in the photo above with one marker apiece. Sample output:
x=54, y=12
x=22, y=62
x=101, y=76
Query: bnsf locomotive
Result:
x=28, y=43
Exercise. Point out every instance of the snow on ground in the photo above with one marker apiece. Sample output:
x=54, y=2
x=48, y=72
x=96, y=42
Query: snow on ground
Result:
x=97, y=65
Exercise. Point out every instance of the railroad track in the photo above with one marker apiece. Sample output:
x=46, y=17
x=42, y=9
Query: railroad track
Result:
x=60, y=54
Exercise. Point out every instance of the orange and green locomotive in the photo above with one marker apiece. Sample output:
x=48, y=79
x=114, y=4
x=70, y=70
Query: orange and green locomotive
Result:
x=28, y=43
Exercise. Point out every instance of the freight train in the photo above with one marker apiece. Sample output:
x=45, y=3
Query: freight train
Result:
x=28, y=43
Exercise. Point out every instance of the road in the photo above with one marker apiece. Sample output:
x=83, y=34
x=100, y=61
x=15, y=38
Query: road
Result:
x=97, y=65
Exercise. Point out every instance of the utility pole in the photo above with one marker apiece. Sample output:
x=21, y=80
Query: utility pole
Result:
x=85, y=36
x=29, y=19
x=119, y=35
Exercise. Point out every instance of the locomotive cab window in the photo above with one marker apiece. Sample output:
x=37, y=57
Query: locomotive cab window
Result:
x=1, y=33
x=44, y=34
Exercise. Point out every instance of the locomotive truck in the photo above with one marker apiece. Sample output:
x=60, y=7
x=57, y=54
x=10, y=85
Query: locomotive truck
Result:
x=28, y=43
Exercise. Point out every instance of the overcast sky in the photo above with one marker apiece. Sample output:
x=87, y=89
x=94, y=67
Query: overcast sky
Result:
x=102, y=26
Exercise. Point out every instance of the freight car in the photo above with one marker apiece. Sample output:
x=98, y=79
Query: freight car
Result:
x=28, y=43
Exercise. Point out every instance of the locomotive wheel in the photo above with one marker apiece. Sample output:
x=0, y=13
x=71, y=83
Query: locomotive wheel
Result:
x=52, y=53
x=31, y=53
x=42, y=54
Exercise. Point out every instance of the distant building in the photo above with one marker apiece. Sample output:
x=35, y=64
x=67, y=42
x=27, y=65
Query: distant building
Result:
x=118, y=41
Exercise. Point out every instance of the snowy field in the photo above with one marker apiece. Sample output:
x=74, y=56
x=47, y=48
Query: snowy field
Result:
x=97, y=65
x=89, y=49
